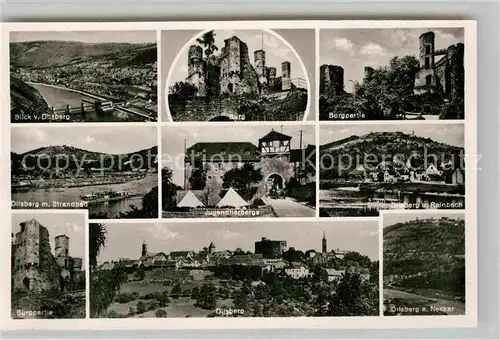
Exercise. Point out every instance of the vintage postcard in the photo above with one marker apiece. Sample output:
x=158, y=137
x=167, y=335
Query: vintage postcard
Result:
x=239, y=175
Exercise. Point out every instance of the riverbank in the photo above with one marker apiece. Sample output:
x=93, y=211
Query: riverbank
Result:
x=74, y=182
x=427, y=188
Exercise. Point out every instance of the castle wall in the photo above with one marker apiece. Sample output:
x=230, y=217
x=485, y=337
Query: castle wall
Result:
x=273, y=165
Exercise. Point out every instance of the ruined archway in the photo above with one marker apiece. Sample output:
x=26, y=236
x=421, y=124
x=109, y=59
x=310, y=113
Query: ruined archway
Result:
x=26, y=283
x=274, y=181
x=221, y=119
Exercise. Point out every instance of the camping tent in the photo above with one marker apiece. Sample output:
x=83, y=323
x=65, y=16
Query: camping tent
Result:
x=190, y=201
x=232, y=199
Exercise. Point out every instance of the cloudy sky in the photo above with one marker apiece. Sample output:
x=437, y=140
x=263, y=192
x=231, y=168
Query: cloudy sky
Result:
x=276, y=52
x=106, y=139
x=408, y=215
x=451, y=134
x=69, y=224
x=132, y=37
x=353, y=49
x=124, y=240
x=173, y=140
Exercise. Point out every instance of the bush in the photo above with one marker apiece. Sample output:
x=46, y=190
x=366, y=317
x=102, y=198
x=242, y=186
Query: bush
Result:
x=126, y=297
x=161, y=313
x=141, y=307
x=152, y=305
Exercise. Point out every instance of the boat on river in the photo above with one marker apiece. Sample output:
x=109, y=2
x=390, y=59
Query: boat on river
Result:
x=104, y=196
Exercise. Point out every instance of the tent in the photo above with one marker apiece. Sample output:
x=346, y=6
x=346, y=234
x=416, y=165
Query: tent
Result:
x=232, y=199
x=190, y=201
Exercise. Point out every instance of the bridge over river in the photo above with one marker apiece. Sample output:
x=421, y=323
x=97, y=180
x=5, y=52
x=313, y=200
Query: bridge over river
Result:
x=80, y=105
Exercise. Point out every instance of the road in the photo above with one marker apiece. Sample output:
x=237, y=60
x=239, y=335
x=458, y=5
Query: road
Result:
x=453, y=307
x=289, y=208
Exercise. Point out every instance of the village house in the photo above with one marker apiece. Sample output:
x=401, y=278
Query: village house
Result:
x=331, y=275
x=297, y=271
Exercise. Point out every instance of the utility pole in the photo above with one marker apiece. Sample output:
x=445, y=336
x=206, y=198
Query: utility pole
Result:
x=185, y=155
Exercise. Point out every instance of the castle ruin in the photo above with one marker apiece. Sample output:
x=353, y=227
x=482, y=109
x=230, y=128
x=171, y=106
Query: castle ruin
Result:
x=446, y=75
x=233, y=73
x=331, y=80
x=35, y=268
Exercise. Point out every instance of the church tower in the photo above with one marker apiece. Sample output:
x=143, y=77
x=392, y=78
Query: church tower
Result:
x=144, y=248
x=211, y=248
x=323, y=243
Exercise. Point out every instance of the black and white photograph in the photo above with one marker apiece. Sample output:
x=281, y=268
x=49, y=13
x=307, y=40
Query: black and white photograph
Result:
x=48, y=265
x=276, y=269
x=111, y=171
x=424, y=263
x=233, y=171
x=83, y=76
x=239, y=75
x=392, y=74
x=367, y=168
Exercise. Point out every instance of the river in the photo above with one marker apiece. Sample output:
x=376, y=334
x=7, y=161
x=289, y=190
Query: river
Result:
x=47, y=197
x=59, y=98
x=341, y=202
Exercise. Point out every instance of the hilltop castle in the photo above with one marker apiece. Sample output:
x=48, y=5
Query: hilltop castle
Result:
x=35, y=268
x=233, y=74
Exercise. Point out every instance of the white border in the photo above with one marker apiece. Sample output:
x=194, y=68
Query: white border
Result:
x=376, y=322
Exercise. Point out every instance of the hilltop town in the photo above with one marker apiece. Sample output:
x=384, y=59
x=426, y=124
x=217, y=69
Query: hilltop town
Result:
x=273, y=280
x=122, y=73
x=424, y=266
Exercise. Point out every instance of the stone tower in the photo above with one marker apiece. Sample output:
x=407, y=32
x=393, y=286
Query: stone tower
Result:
x=323, y=244
x=331, y=80
x=34, y=267
x=426, y=54
x=196, y=69
x=272, y=76
x=144, y=251
x=286, y=82
x=237, y=75
x=211, y=248
x=62, y=250
x=260, y=66
x=455, y=56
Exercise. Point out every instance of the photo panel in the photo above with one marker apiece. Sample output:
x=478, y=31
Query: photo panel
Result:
x=110, y=170
x=367, y=168
x=424, y=263
x=48, y=264
x=238, y=75
x=223, y=269
x=83, y=76
x=392, y=73
x=237, y=171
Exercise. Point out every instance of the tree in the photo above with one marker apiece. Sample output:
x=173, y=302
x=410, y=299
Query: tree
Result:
x=386, y=92
x=140, y=274
x=207, y=298
x=198, y=178
x=168, y=189
x=241, y=301
x=292, y=255
x=104, y=286
x=207, y=40
x=349, y=298
x=161, y=313
x=242, y=178
x=149, y=206
x=176, y=291
x=97, y=240
x=182, y=91
x=141, y=307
